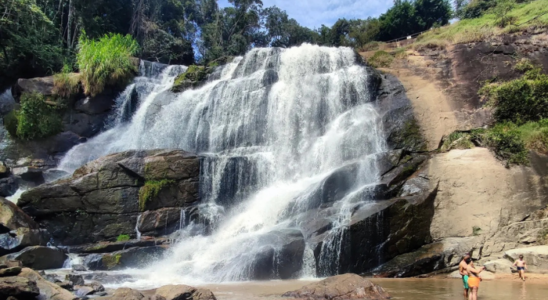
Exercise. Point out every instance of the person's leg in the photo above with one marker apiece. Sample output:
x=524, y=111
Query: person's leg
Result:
x=521, y=274
x=475, y=293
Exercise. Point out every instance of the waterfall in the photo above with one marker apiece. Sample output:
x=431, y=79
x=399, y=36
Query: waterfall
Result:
x=274, y=129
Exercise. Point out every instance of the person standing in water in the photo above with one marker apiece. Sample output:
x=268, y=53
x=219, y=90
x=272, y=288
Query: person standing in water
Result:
x=473, y=279
x=521, y=265
x=463, y=270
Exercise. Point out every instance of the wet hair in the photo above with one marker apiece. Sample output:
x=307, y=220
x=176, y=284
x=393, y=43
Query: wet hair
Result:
x=468, y=260
x=521, y=256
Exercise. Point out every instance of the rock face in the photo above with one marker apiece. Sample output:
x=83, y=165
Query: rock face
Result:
x=12, y=217
x=341, y=287
x=47, y=289
x=104, y=198
x=16, y=240
x=8, y=182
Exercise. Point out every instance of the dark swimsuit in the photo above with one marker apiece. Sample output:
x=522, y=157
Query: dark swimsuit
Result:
x=521, y=268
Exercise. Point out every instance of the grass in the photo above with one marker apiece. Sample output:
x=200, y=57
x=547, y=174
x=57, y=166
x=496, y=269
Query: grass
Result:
x=457, y=140
x=521, y=17
x=381, y=59
x=123, y=238
x=476, y=230
x=66, y=84
x=106, y=62
x=150, y=190
x=37, y=117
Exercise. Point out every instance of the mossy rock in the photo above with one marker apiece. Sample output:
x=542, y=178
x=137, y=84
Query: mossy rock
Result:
x=409, y=137
x=193, y=77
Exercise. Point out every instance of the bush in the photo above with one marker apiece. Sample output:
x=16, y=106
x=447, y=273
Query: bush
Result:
x=66, y=84
x=521, y=100
x=506, y=141
x=123, y=238
x=10, y=122
x=457, y=140
x=381, y=59
x=502, y=11
x=38, y=117
x=106, y=62
x=193, y=76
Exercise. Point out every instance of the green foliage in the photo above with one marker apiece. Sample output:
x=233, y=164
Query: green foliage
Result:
x=37, y=118
x=106, y=62
x=123, y=238
x=506, y=141
x=193, y=76
x=524, y=65
x=66, y=84
x=381, y=59
x=28, y=41
x=409, y=17
x=151, y=190
x=10, y=122
x=515, y=99
x=476, y=230
x=502, y=11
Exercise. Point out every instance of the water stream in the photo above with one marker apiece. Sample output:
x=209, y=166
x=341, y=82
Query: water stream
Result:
x=272, y=127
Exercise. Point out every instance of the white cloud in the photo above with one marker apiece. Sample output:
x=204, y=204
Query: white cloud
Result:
x=314, y=13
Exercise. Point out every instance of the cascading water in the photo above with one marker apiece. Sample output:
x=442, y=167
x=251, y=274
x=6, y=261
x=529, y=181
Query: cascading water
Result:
x=272, y=129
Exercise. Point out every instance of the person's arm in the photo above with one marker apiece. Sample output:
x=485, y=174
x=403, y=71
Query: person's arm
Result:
x=515, y=263
x=525, y=265
x=474, y=270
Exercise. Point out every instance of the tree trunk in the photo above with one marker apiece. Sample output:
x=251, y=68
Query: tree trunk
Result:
x=69, y=24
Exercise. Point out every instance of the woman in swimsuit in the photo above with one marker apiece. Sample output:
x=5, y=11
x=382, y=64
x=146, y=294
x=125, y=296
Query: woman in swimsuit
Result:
x=473, y=279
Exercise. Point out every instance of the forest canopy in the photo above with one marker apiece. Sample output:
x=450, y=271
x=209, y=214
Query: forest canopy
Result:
x=39, y=37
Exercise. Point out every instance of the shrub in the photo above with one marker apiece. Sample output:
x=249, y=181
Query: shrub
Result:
x=10, y=122
x=38, y=117
x=193, y=76
x=521, y=100
x=66, y=84
x=502, y=10
x=106, y=62
x=524, y=65
x=506, y=141
x=150, y=190
x=457, y=140
x=381, y=59
x=123, y=238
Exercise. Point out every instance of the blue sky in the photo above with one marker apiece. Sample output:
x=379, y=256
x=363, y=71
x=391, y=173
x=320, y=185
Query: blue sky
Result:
x=314, y=13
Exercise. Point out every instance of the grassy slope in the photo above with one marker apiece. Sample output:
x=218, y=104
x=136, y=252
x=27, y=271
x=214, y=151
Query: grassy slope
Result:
x=534, y=14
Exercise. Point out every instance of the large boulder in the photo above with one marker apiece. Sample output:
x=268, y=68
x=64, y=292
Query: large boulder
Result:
x=48, y=290
x=19, y=287
x=16, y=240
x=12, y=217
x=535, y=257
x=281, y=256
x=125, y=294
x=183, y=292
x=104, y=198
x=130, y=258
x=38, y=257
x=341, y=287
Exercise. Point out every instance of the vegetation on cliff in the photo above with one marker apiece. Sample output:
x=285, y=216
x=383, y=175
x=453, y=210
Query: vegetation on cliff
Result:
x=151, y=190
x=106, y=61
x=482, y=19
x=37, y=117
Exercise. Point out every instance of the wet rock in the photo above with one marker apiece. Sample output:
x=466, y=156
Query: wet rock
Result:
x=106, y=247
x=67, y=285
x=53, y=278
x=131, y=258
x=179, y=292
x=104, y=277
x=47, y=289
x=79, y=268
x=12, y=217
x=30, y=174
x=341, y=287
x=38, y=257
x=427, y=259
x=95, y=105
x=83, y=291
x=101, y=200
x=41, y=85
x=8, y=186
x=281, y=256
x=400, y=126
x=75, y=279
x=16, y=240
x=19, y=287
x=10, y=271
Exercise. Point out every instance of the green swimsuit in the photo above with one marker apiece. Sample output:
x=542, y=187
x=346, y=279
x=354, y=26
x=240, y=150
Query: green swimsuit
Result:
x=465, y=281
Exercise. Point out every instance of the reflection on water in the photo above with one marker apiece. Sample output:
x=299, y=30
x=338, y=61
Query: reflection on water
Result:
x=405, y=289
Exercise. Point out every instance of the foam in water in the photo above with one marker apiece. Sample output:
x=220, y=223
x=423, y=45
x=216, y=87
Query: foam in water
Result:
x=273, y=126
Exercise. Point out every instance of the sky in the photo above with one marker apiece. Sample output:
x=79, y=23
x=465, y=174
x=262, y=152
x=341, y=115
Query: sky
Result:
x=314, y=13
